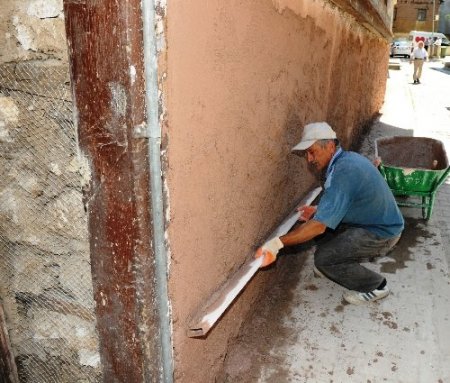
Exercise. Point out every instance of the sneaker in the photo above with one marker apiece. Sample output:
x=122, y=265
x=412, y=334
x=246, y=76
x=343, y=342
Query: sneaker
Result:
x=318, y=273
x=357, y=298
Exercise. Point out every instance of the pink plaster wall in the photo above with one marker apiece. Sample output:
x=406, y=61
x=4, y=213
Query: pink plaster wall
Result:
x=242, y=80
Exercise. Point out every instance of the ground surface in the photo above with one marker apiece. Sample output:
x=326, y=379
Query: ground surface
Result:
x=302, y=330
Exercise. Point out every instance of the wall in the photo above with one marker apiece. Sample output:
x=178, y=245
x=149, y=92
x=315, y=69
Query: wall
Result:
x=32, y=29
x=242, y=79
x=45, y=271
x=239, y=83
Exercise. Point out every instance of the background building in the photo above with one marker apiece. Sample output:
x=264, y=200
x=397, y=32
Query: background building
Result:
x=410, y=15
x=444, y=17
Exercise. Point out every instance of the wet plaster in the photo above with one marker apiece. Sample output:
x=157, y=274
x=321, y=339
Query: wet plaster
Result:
x=233, y=117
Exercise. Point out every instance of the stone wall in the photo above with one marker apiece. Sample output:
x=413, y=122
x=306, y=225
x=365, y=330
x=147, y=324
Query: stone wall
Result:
x=32, y=29
x=45, y=274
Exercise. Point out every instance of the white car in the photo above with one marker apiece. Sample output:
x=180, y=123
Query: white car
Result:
x=401, y=48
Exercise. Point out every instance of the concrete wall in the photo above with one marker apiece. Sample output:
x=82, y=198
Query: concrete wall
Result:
x=242, y=80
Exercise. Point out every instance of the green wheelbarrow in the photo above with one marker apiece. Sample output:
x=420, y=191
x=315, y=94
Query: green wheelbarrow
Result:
x=413, y=167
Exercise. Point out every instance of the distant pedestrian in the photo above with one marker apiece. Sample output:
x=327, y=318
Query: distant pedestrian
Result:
x=418, y=55
x=437, y=45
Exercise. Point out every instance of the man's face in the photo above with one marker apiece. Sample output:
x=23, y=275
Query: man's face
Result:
x=319, y=156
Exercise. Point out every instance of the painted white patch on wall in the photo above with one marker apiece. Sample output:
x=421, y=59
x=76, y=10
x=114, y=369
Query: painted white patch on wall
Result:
x=9, y=205
x=9, y=117
x=44, y=9
x=89, y=358
x=54, y=168
x=132, y=74
x=118, y=98
x=80, y=164
x=24, y=34
x=4, y=133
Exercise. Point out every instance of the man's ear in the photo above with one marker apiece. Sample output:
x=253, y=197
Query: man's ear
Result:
x=332, y=145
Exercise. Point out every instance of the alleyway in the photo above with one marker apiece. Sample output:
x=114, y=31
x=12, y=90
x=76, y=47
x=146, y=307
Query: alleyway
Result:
x=304, y=332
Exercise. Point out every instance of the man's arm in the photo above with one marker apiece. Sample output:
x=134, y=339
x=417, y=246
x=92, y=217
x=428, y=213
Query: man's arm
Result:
x=301, y=234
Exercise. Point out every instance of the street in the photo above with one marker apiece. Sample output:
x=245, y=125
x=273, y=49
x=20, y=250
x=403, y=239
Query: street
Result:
x=303, y=331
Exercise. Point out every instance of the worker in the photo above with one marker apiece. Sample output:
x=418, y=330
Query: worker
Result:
x=357, y=214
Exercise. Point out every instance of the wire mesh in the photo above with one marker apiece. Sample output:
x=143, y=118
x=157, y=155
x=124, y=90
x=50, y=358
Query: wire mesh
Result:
x=45, y=274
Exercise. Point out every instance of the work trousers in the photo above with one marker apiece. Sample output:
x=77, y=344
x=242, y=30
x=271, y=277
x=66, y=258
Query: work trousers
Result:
x=418, y=64
x=338, y=256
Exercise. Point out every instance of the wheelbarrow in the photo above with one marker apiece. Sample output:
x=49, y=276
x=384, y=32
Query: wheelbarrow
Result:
x=413, y=167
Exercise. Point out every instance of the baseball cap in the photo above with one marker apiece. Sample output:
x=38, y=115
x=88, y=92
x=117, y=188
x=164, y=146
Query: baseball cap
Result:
x=313, y=132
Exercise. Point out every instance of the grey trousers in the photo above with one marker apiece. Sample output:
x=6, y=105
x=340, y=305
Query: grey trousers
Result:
x=338, y=257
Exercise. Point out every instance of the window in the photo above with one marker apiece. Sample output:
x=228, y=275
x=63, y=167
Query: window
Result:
x=421, y=14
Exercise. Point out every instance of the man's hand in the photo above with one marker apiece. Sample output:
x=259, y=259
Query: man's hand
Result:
x=306, y=212
x=269, y=250
x=377, y=162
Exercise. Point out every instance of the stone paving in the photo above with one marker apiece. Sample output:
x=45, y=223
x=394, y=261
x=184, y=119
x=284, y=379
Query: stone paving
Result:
x=317, y=337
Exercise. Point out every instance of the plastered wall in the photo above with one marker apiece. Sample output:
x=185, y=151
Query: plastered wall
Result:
x=242, y=79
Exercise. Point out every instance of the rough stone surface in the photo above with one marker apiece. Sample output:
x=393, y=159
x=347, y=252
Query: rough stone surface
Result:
x=45, y=273
x=32, y=29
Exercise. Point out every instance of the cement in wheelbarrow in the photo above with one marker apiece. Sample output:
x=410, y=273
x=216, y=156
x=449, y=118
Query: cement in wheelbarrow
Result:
x=413, y=166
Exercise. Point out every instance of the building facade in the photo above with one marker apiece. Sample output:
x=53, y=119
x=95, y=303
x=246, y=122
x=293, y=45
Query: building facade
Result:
x=418, y=15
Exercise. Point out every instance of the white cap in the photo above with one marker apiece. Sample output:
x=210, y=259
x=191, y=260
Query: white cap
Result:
x=313, y=132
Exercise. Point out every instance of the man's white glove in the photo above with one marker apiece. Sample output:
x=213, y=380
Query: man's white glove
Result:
x=269, y=250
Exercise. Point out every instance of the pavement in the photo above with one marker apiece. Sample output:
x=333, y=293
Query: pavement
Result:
x=302, y=330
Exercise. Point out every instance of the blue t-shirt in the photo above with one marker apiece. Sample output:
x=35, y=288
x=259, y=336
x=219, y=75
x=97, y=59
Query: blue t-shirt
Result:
x=355, y=193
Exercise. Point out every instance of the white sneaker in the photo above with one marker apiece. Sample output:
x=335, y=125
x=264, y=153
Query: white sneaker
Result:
x=357, y=298
x=318, y=273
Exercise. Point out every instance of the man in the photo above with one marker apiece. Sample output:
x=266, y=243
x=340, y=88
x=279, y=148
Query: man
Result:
x=357, y=205
x=418, y=55
x=437, y=44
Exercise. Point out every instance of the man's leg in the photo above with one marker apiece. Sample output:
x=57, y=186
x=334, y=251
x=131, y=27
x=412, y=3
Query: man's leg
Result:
x=416, y=68
x=419, y=69
x=339, y=258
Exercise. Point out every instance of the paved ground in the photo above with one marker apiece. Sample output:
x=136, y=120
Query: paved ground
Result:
x=304, y=332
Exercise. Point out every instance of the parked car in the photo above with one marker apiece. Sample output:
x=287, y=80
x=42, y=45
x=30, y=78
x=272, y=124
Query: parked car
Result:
x=401, y=48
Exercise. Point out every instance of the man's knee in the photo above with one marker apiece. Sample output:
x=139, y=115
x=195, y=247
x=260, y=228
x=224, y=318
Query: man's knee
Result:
x=323, y=259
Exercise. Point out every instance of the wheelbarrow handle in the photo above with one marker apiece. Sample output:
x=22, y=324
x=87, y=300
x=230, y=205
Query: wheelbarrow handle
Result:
x=443, y=178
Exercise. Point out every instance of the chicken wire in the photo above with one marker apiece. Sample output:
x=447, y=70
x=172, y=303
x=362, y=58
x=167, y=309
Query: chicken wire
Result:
x=45, y=275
